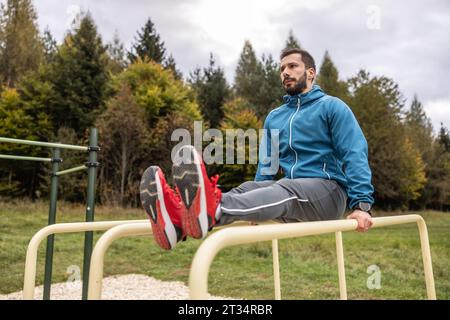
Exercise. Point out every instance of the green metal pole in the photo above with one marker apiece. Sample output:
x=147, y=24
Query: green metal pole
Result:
x=51, y=220
x=88, y=238
x=44, y=144
x=11, y=157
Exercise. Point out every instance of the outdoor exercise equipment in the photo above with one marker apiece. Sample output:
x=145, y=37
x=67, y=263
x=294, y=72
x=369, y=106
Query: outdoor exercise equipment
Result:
x=91, y=167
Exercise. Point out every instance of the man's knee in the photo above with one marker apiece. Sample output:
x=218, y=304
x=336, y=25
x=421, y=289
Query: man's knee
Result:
x=252, y=185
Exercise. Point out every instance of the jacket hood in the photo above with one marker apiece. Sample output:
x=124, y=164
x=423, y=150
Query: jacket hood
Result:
x=307, y=97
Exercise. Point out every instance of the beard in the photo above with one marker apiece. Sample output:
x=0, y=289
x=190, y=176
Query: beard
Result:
x=299, y=86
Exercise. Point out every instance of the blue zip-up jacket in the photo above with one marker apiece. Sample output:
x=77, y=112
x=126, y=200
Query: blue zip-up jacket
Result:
x=318, y=135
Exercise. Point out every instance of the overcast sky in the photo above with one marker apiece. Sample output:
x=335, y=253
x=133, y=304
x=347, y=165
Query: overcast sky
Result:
x=405, y=40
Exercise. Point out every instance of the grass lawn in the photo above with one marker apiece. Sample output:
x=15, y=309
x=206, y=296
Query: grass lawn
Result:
x=307, y=265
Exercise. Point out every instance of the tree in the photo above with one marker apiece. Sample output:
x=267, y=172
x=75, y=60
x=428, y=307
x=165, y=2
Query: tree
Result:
x=76, y=79
x=148, y=45
x=420, y=132
x=116, y=52
x=419, y=127
x=238, y=115
x=170, y=64
x=328, y=79
x=270, y=93
x=249, y=76
x=20, y=44
x=444, y=138
x=292, y=41
x=50, y=46
x=397, y=169
x=438, y=186
x=168, y=104
x=212, y=91
x=16, y=122
x=125, y=141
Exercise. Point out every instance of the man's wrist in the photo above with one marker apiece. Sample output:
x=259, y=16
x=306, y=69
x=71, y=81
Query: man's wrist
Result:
x=363, y=206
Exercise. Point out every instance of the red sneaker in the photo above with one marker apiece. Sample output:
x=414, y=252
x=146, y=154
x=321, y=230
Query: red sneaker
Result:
x=200, y=195
x=163, y=207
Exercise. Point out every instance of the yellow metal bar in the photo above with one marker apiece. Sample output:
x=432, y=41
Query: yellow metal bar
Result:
x=105, y=241
x=341, y=266
x=426, y=257
x=98, y=254
x=12, y=157
x=33, y=246
x=198, y=277
x=276, y=269
x=44, y=144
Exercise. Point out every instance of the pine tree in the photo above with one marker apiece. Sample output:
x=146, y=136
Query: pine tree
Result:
x=292, y=41
x=438, y=186
x=116, y=53
x=50, y=46
x=249, y=76
x=148, y=45
x=420, y=132
x=78, y=78
x=170, y=64
x=328, y=79
x=271, y=91
x=419, y=125
x=444, y=138
x=212, y=91
x=20, y=44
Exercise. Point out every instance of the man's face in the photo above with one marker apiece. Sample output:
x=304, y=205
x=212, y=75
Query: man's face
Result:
x=293, y=74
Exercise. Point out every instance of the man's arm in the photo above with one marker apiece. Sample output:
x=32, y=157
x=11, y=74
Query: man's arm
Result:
x=351, y=148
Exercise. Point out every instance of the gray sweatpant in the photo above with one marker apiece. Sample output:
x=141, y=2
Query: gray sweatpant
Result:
x=285, y=200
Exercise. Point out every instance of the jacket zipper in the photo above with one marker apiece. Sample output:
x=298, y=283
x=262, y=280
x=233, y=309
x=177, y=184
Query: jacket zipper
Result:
x=290, y=138
x=324, y=169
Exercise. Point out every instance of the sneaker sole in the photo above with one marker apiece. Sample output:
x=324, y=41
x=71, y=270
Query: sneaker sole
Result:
x=152, y=201
x=189, y=180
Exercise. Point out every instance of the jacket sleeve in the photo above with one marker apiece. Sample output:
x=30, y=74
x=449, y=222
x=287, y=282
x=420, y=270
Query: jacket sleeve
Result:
x=351, y=148
x=265, y=159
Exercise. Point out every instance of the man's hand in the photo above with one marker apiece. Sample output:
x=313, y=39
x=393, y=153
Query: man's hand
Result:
x=364, y=220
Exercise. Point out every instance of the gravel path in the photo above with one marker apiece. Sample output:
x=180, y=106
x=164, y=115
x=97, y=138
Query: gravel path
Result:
x=121, y=287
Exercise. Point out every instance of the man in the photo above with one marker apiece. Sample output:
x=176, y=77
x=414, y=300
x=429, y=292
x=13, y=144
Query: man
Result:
x=322, y=153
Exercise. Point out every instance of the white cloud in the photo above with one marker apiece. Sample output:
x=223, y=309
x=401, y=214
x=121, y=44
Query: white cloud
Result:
x=439, y=112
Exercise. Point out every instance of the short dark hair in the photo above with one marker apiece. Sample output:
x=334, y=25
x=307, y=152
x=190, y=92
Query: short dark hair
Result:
x=307, y=59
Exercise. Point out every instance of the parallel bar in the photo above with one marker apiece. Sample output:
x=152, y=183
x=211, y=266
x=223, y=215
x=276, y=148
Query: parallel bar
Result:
x=51, y=220
x=198, y=278
x=276, y=269
x=33, y=246
x=60, y=173
x=103, y=243
x=426, y=257
x=341, y=266
x=44, y=144
x=89, y=237
x=11, y=157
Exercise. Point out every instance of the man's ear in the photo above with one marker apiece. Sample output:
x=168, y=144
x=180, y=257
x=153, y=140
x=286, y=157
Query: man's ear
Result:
x=311, y=74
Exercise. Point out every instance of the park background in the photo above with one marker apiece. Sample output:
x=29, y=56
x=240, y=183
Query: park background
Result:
x=54, y=88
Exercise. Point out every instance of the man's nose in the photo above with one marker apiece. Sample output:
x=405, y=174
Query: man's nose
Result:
x=285, y=75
